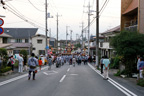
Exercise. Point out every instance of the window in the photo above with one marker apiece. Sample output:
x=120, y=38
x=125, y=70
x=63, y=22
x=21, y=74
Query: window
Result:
x=26, y=40
x=39, y=41
x=18, y=40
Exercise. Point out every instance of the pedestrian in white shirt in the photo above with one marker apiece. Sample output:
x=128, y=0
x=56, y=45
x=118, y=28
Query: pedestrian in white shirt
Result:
x=21, y=62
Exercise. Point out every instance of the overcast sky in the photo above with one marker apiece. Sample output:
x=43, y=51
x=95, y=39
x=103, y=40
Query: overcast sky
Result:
x=71, y=13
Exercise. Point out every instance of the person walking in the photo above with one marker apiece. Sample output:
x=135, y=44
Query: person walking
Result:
x=101, y=63
x=33, y=63
x=138, y=61
x=12, y=62
x=106, y=63
x=40, y=63
x=25, y=63
x=49, y=62
x=74, y=61
x=21, y=63
x=140, y=67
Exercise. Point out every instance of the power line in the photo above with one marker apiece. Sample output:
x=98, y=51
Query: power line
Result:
x=35, y=6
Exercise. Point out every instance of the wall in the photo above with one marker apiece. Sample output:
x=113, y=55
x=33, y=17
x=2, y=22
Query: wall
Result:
x=38, y=46
x=141, y=16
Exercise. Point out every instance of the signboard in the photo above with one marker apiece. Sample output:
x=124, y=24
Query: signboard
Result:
x=1, y=30
x=47, y=47
x=1, y=23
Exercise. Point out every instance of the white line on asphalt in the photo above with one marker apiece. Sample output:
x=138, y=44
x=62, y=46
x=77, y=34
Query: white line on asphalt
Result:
x=16, y=78
x=117, y=85
x=119, y=88
x=45, y=73
x=73, y=74
x=68, y=70
x=62, y=78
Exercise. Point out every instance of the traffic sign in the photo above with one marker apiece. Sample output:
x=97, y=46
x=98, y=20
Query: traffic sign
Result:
x=1, y=21
x=47, y=47
x=1, y=30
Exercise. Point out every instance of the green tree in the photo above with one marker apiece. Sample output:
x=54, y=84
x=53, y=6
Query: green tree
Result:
x=24, y=53
x=3, y=54
x=78, y=45
x=129, y=45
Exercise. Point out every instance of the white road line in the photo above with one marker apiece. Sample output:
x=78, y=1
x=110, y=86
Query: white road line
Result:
x=117, y=85
x=45, y=73
x=62, y=78
x=16, y=78
x=68, y=70
x=119, y=88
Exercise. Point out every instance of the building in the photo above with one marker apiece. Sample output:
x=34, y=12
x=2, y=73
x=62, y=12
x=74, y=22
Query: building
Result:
x=132, y=12
x=93, y=43
x=5, y=43
x=39, y=44
x=105, y=47
x=20, y=38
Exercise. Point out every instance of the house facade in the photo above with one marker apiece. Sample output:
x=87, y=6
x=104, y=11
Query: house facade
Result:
x=20, y=39
x=39, y=44
x=105, y=47
x=132, y=15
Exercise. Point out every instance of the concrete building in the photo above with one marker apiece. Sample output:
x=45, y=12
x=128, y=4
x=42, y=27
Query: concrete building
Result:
x=132, y=15
x=39, y=44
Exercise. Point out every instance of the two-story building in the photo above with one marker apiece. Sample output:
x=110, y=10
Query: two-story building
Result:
x=39, y=44
x=132, y=12
x=20, y=38
x=105, y=47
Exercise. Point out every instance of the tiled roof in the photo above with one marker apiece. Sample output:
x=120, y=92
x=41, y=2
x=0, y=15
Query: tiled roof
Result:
x=5, y=35
x=21, y=45
x=4, y=45
x=21, y=33
x=115, y=29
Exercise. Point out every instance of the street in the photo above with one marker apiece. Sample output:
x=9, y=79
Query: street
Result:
x=81, y=80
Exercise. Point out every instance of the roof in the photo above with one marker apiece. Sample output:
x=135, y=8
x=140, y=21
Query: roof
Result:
x=21, y=33
x=4, y=45
x=132, y=6
x=5, y=35
x=21, y=45
x=115, y=29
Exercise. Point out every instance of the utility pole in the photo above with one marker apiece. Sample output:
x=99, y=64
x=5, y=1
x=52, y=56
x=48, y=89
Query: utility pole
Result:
x=66, y=34
x=71, y=36
x=57, y=30
x=97, y=32
x=89, y=13
x=46, y=49
x=82, y=34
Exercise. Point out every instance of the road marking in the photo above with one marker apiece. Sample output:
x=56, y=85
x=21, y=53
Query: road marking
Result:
x=73, y=74
x=16, y=78
x=45, y=73
x=117, y=85
x=68, y=70
x=62, y=78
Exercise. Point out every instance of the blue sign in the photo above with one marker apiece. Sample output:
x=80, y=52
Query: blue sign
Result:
x=47, y=47
x=1, y=30
x=1, y=21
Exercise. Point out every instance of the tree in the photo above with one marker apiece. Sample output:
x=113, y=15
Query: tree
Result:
x=3, y=54
x=24, y=53
x=129, y=45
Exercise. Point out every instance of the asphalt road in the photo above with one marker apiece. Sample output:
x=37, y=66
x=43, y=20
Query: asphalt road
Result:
x=81, y=80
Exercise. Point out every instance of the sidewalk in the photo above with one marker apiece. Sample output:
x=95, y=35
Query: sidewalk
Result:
x=130, y=83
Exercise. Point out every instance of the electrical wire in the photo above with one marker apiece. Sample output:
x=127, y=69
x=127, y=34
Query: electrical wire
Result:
x=35, y=6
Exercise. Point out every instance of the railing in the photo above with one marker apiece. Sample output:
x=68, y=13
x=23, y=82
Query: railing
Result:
x=131, y=28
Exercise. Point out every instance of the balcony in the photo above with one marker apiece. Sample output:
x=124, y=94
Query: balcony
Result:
x=131, y=26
